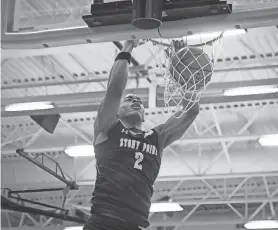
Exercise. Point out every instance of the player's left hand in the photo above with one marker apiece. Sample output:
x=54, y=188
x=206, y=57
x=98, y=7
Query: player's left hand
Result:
x=178, y=44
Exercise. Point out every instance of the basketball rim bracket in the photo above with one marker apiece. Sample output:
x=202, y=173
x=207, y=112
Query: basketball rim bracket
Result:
x=122, y=12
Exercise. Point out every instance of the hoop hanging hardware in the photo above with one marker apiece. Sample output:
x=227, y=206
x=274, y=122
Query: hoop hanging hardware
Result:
x=147, y=14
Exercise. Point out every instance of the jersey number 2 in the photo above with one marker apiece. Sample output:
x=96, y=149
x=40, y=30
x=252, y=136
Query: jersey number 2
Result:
x=139, y=157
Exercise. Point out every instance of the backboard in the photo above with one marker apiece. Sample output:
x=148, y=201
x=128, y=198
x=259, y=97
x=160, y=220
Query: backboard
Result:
x=60, y=23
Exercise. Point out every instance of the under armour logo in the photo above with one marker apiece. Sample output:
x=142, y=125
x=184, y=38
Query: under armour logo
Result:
x=150, y=132
x=124, y=131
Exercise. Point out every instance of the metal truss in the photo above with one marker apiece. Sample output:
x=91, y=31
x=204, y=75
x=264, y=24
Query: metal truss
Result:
x=27, y=139
x=225, y=145
x=15, y=219
x=15, y=201
x=80, y=102
x=39, y=161
x=36, y=218
x=211, y=199
x=226, y=142
x=204, y=134
x=242, y=197
x=223, y=67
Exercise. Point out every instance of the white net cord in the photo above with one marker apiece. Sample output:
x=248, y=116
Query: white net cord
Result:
x=186, y=67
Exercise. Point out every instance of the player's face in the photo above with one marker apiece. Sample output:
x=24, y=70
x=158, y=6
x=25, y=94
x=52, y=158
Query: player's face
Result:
x=132, y=105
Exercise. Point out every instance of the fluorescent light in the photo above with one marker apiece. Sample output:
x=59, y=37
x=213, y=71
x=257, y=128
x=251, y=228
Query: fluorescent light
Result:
x=47, y=30
x=80, y=151
x=269, y=140
x=228, y=33
x=86, y=208
x=29, y=106
x=74, y=228
x=262, y=224
x=206, y=35
x=216, y=34
x=252, y=90
x=165, y=207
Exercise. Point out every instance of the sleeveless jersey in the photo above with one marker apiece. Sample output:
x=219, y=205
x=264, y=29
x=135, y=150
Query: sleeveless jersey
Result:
x=127, y=166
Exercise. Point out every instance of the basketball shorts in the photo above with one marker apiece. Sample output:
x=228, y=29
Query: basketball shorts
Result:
x=100, y=222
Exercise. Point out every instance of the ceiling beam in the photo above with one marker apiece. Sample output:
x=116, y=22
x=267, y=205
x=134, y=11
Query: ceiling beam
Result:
x=245, y=68
x=210, y=220
x=67, y=140
x=13, y=17
x=88, y=102
x=22, y=174
x=212, y=86
x=95, y=96
x=219, y=176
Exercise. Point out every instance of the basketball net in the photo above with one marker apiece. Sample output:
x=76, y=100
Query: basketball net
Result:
x=186, y=65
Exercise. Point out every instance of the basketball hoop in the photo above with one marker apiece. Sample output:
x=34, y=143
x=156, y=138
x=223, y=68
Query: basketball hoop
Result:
x=186, y=65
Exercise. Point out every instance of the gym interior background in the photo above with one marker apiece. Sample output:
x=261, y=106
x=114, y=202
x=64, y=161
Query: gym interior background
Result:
x=222, y=173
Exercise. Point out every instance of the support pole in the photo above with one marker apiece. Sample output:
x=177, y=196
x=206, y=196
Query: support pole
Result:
x=147, y=14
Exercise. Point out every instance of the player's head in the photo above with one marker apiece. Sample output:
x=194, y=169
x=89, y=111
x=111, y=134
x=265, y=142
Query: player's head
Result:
x=132, y=107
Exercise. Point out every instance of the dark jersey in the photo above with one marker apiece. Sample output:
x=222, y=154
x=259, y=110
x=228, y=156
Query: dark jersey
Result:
x=127, y=166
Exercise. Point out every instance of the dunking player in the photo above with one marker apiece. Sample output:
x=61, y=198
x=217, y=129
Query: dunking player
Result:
x=127, y=158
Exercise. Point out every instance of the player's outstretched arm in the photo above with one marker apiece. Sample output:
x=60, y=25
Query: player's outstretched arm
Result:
x=174, y=128
x=108, y=109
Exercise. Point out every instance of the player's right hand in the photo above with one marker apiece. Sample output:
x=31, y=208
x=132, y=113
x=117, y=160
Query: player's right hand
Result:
x=129, y=45
x=135, y=42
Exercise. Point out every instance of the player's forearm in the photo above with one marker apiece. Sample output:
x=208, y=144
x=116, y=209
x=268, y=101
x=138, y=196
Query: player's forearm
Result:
x=174, y=128
x=118, y=76
x=119, y=72
x=191, y=103
x=192, y=106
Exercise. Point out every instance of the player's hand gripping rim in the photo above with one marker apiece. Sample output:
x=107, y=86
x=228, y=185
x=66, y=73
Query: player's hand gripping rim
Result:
x=129, y=45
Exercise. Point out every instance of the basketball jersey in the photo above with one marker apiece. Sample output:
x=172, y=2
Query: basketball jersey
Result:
x=127, y=166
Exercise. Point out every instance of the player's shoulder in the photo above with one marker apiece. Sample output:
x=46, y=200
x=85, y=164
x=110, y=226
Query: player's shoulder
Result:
x=156, y=136
x=157, y=129
x=152, y=136
x=148, y=133
x=102, y=136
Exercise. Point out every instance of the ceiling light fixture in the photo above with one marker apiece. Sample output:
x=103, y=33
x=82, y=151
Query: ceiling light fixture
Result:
x=216, y=34
x=252, y=90
x=74, y=228
x=80, y=151
x=47, y=30
x=29, y=106
x=228, y=33
x=155, y=207
x=262, y=224
x=269, y=140
x=165, y=207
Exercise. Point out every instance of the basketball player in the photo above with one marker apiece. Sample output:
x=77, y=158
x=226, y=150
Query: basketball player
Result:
x=127, y=158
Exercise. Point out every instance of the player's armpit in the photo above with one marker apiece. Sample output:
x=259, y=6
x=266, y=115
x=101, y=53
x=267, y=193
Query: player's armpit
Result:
x=108, y=109
x=174, y=128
